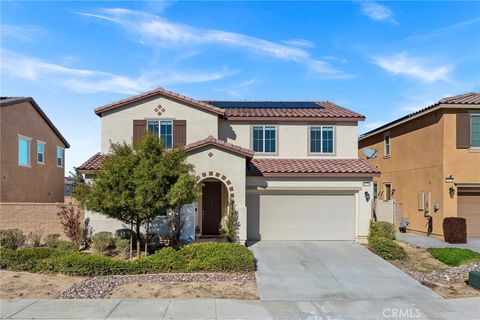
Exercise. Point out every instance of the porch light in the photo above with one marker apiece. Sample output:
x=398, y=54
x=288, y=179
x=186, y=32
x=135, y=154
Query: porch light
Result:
x=451, y=191
x=449, y=179
x=367, y=196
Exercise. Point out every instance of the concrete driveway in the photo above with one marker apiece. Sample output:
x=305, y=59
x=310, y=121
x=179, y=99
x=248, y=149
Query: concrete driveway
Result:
x=318, y=270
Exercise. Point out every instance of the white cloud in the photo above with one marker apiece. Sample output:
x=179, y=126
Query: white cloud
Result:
x=378, y=12
x=92, y=81
x=21, y=33
x=156, y=31
x=301, y=43
x=418, y=68
x=444, y=30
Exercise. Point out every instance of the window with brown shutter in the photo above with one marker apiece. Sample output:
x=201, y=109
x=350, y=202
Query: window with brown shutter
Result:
x=179, y=132
x=463, y=130
x=139, y=128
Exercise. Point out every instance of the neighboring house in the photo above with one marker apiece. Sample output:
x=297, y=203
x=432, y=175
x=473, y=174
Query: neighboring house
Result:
x=32, y=153
x=430, y=163
x=68, y=185
x=291, y=167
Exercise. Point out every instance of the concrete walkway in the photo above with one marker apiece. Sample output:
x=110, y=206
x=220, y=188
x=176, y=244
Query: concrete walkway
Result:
x=429, y=242
x=459, y=309
x=318, y=270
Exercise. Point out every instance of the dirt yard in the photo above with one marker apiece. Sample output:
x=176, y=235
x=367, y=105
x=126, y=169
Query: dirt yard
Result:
x=245, y=290
x=433, y=274
x=15, y=285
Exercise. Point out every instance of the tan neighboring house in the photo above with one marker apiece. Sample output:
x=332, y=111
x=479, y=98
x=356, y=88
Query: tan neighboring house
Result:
x=291, y=166
x=430, y=164
x=32, y=159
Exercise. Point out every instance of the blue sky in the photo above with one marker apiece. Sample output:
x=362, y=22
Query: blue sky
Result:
x=382, y=59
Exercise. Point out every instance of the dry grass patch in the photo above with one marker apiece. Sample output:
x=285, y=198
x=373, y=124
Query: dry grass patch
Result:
x=25, y=285
x=244, y=290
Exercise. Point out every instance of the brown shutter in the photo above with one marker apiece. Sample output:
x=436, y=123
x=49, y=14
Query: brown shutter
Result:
x=139, y=129
x=179, y=132
x=463, y=130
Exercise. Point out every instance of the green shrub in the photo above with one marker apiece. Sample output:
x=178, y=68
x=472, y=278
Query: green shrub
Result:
x=232, y=224
x=25, y=259
x=12, y=239
x=201, y=257
x=64, y=245
x=125, y=234
x=382, y=229
x=103, y=242
x=454, y=256
x=386, y=248
x=51, y=240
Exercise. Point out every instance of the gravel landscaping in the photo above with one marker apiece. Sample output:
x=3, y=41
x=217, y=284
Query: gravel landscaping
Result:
x=99, y=287
x=445, y=276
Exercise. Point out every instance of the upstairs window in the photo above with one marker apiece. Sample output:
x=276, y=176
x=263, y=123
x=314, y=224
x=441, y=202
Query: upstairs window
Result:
x=24, y=151
x=59, y=157
x=163, y=129
x=475, y=130
x=40, y=152
x=265, y=139
x=386, y=144
x=322, y=139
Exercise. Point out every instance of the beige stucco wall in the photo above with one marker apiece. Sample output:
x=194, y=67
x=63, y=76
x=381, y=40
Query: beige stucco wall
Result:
x=321, y=185
x=462, y=164
x=225, y=164
x=117, y=125
x=423, y=154
x=293, y=139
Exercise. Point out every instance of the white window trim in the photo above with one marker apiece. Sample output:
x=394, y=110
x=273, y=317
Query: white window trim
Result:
x=159, y=130
x=385, y=154
x=263, y=128
x=63, y=157
x=29, y=165
x=44, y=143
x=321, y=140
x=473, y=114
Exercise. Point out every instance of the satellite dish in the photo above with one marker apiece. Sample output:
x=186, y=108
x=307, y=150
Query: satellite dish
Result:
x=370, y=153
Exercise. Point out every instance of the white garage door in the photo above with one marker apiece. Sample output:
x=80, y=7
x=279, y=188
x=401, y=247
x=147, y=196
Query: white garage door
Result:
x=306, y=217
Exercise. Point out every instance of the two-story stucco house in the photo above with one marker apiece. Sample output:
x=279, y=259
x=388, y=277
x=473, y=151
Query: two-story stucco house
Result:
x=291, y=167
x=430, y=164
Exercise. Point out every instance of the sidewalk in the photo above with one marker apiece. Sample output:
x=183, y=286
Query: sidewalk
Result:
x=430, y=242
x=458, y=309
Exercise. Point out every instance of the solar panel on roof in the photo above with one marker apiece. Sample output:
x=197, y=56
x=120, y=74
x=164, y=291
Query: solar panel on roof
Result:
x=265, y=104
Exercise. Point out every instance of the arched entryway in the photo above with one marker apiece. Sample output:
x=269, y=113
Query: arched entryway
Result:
x=213, y=203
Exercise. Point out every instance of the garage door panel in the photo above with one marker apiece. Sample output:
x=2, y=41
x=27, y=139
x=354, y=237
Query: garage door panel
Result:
x=469, y=208
x=307, y=217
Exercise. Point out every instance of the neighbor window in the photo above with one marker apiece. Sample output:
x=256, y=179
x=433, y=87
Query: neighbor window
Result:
x=265, y=139
x=321, y=139
x=386, y=144
x=59, y=157
x=24, y=151
x=163, y=129
x=388, y=191
x=475, y=130
x=40, y=152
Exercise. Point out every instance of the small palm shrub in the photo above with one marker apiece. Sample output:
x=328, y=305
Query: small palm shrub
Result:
x=230, y=231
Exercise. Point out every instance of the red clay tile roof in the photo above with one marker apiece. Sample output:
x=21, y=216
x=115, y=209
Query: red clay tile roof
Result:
x=289, y=110
x=220, y=144
x=10, y=101
x=310, y=167
x=155, y=92
x=467, y=98
x=94, y=163
x=471, y=98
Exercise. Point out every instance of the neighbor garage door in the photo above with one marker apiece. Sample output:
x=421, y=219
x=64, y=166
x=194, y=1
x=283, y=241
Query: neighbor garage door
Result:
x=306, y=217
x=469, y=208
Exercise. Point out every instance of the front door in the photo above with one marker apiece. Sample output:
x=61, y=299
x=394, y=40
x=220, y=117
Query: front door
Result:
x=211, y=207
